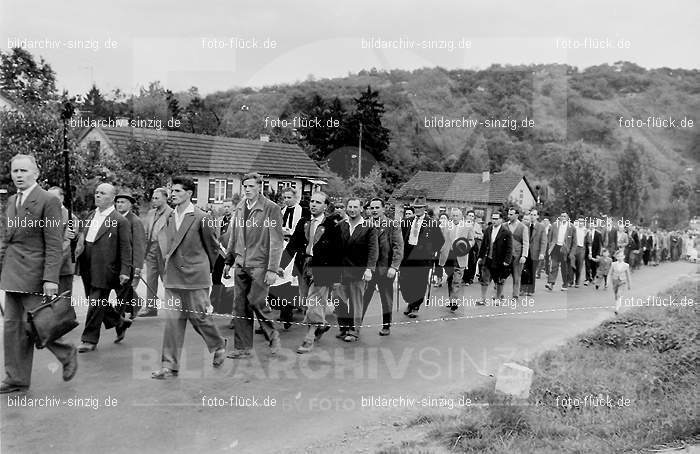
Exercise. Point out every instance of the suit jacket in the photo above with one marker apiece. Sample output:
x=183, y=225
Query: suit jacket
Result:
x=538, y=240
x=32, y=254
x=502, y=247
x=390, y=244
x=151, y=230
x=595, y=243
x=359, y=250
x=263, y=242
x=189, y=253
x=553, y=236
x=430, y=241
x=521, y=239
x=138, y=240
x=110, y=255
x=610, y=240
x=296, y=248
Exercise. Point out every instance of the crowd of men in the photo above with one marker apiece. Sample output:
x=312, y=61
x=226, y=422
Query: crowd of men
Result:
x=340, y=253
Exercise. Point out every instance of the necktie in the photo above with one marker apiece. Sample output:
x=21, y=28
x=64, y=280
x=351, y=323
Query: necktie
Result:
x=312, y=233
x=19, y=200
x=287, y=219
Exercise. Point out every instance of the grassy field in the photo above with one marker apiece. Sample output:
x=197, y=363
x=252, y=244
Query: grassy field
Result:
x=641, y=367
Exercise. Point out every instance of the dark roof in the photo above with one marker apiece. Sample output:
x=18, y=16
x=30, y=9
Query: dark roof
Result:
x=218, y=154
x=460, y=187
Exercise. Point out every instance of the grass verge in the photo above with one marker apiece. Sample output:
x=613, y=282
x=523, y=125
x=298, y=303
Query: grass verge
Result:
x=640, y=367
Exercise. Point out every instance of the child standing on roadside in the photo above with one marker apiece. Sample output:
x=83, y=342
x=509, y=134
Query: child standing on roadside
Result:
x=604, y=262
x=618, y=275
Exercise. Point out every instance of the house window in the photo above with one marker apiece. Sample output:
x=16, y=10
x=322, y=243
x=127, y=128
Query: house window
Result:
x=219, y=190
x=522, y=196
x=94, y=149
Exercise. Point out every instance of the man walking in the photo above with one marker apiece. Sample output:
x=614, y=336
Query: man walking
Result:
x=126, y=295
x=254, y=250
x=521, y=248
x=495, y=257
x=560, y=240
x=30, y=260
x=315, y=248
x=578, y=251
x=422, y=240
x=105, y=265
x=390, y=254
x=538, y=245
x=155, y=267
x=189, y=248
x=359, y=260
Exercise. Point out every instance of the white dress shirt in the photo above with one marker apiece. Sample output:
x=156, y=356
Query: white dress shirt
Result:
x=96, y=222
x=415, y=230
x=179, y=217
x=22, y=195
x=580, y=236
x=561, y=234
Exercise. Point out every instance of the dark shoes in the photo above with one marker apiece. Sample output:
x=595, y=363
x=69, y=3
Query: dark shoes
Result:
x=411, y=313
x=164, y=373
x=5, y=388
x=320, y=331
x=384, y=331
x=121, y=330
x=240, y=354
x=548, y=286
x=220, y=355
x=86, y=347
x=71, y=367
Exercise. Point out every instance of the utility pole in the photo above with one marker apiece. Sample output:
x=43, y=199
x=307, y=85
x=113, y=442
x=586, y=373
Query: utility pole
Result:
x=359, y=155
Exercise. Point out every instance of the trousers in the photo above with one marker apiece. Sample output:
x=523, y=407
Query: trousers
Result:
x=19, y=345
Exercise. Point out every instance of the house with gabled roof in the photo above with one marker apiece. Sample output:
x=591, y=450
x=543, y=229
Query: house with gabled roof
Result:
x=483, y=192
x=216, y=163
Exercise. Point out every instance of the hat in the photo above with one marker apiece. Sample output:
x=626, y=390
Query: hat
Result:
x=461, y=246
x=125, y=195
x=419, y=202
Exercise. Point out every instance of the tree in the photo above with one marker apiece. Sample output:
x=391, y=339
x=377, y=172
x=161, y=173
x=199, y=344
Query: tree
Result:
x=198, y=118
x=579, y=186
x=173, y=107
x=144, y=165
x=26, y=80
x=368, y=113
x=630, y=182
x=95, y=106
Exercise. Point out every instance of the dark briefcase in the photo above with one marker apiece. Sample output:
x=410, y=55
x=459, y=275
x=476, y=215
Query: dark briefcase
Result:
x=52, y=319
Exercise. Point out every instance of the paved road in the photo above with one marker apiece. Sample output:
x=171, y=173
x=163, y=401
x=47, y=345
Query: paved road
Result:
x=317, y=396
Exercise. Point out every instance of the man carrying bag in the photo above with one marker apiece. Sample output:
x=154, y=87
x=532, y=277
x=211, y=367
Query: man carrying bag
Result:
x=30, y=261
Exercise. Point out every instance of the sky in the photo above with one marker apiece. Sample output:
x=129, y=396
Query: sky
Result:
x=216, y=45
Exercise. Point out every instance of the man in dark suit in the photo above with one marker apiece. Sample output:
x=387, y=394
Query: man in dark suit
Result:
x=189, y=248
x=422, y=241
x=560, y=241
x=538, y=245
x=105, y=265
x=315, y=247
x=594, y=244
x=495, y=256
x=30, y=261
x=390, y=254
x=155, y=221
x=359, y=248
x=126, y=295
